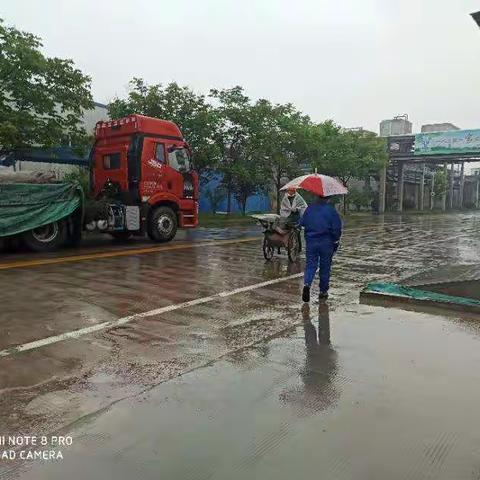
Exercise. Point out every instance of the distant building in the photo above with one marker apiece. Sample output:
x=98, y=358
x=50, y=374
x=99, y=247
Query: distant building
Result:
x=439, y=127
x=89, y=120
x=91, y=117
x=399, y=125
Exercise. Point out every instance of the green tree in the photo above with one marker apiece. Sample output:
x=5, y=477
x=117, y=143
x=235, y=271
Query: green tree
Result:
x=233, y=140
x=440, y=183
x=346, y=154
x=42, y=99
x=196, y=118
x=276, y=136
x=245, y=137
x=215, y=196
x=360, y=198
x=248, y=178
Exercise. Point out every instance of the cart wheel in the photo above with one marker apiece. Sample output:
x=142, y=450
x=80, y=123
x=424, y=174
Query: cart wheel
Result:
x=293, y=247
x=268, y=250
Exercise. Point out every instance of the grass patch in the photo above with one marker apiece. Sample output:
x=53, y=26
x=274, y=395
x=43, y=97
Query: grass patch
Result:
x=435, y=211
x=216, y=220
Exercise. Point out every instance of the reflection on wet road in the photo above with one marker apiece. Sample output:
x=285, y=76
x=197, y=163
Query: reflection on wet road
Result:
x=318, y=375
x=283, y=379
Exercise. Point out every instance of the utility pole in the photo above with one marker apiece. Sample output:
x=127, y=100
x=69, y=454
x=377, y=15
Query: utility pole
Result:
x=432, y=192
x=400, y=186
x=476, y=194
x=382, y=188
x=422, y=188
x=444, y=193
x=452, y=178
x=462, y=184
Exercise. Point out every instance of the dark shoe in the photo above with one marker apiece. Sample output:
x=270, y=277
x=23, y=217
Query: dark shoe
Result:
x=306, y=294
x=323, y=296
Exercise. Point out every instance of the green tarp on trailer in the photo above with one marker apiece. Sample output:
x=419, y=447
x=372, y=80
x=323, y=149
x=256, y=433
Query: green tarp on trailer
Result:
x=24, y=207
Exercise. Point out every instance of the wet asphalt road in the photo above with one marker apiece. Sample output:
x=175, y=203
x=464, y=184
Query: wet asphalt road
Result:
x=155, y=375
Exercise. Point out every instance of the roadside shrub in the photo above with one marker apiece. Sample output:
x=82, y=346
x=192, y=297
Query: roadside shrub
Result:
x=360, y=198
x=215, y=196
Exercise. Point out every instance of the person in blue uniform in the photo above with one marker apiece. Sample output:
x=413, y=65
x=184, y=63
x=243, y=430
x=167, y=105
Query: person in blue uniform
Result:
x=323, y=229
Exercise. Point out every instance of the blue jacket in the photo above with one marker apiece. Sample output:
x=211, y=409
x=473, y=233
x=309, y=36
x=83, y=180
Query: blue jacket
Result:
x=321, y=222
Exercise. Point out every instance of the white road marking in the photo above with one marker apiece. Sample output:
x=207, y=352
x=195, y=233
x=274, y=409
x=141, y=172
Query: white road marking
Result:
x=122, y=321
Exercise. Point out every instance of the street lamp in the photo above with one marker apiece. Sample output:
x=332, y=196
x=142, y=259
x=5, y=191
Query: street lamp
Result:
x=476, y=17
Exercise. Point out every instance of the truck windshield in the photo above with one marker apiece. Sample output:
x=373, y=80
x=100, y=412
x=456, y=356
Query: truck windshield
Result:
x=179, y=159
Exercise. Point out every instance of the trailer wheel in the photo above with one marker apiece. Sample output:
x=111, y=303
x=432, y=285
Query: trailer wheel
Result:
x=46, y=238
x=162, y=225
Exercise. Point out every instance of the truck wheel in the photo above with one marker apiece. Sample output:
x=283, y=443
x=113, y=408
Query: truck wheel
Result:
x=162, y=225
x=121, y=236
x=46, y=238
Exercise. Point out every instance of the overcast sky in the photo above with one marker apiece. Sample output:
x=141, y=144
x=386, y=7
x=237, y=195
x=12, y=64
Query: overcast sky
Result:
x=355, y=61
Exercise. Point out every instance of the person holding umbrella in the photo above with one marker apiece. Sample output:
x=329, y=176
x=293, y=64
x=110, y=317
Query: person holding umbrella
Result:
x=323, y=229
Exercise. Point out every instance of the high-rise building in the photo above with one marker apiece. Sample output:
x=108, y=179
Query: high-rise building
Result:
x=399, y=125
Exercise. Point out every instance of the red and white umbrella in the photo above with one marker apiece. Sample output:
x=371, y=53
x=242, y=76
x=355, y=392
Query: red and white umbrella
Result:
x=321, y=185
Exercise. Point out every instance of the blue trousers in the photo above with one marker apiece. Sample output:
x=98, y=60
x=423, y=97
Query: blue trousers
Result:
x=319, y=256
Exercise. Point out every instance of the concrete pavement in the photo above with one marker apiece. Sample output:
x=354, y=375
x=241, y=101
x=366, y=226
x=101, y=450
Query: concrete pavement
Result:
x=87, y=385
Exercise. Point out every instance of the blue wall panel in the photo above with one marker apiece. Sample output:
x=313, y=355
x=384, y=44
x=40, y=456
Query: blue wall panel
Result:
x=255, y=203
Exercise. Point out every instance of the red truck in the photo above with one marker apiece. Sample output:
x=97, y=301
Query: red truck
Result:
x=145, y=164
x=142, y=182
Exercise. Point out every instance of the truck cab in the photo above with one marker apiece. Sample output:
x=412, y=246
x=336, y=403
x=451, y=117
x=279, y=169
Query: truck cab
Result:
x=142, y=179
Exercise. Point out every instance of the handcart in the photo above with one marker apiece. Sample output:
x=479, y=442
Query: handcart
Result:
x=278, y=235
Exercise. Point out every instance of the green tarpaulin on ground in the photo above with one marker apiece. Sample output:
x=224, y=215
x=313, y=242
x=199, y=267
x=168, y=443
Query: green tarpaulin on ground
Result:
x=396, y=290
x=25, y=206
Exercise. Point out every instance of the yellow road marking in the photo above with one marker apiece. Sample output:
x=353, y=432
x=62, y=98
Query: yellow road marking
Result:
x=119, y=253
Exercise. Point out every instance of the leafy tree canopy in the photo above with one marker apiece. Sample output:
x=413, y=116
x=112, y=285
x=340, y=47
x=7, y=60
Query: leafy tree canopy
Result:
x=346, y=154
x=278, y=141
x=42, y=99
x=243, y=173
x=196, y=118
x=254, y=144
